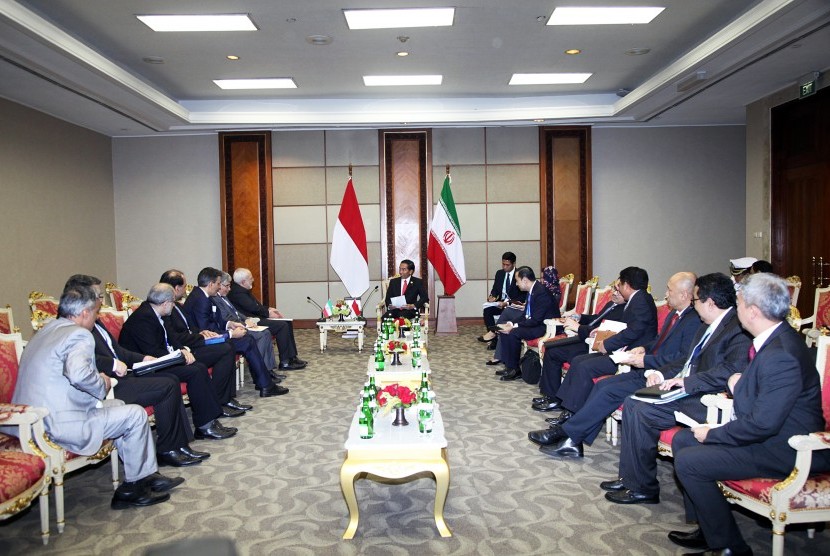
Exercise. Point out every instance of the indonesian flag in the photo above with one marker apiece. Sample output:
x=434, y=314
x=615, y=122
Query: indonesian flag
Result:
x=328, y=309
x=349, y=258
x=444, y=247
x=356, y=307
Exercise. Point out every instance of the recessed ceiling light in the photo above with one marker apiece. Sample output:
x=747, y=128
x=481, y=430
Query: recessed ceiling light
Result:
x=637, y=51
x=232, y=57
x=396, y=80
x=319, y=40
x=213, y=22
x=548, y=78
x=402, y=53
x=604, y=15
x=538, y=120
x=153, y=59
x=573, y=51
x=399, y=17
x=259, y=83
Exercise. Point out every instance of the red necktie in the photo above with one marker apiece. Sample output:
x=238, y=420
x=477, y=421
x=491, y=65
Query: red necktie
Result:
x=665, y=332
x=403, y=289
x=752, y=352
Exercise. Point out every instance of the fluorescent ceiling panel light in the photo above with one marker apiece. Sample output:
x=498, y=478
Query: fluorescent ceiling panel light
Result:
x=398, y=80
x=603, y=16
x=260, y=83
x=208, y=22
x=403, y=17
x=548, y=78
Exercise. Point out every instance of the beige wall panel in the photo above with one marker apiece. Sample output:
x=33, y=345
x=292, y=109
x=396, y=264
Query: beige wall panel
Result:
x=301, y=263
x=513, y=221
x=366, y=181
x=371, y=221
x=299, y=225
x=468, y=183
x=372, y=249
x=475, y=260
x=291, y=298
x=299, y=186
x=358, y=147
x=468, y=299
x=513, y=183
x=473, y=222
x=337, y=291
x=457, y=146
x=297, y=148
x=527, y=253
x=512, y=145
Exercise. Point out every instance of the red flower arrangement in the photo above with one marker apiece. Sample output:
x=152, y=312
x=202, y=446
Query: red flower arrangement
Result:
x=396, y=345
x=396, y=395
x=403, y=322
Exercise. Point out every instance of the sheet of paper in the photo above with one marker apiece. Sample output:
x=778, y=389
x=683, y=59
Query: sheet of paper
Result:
x=281, y=318
x=684, y=419
x=257, y=328
x=489, y=304
x=619, y=356
x=398, y=301
x=171, y=355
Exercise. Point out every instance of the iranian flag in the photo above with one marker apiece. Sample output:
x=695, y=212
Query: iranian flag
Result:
x=444, y=247
x=349, y=258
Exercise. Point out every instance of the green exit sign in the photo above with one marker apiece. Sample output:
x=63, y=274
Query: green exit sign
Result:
x=807, y=89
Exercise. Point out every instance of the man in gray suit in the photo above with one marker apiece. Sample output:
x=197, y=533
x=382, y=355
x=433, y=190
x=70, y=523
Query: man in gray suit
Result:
x=57, y=371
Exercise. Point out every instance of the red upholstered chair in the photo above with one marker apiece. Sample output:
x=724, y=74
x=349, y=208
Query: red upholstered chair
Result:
x=663, y=310
x=565, y=283
x=7, y=320
x=43, y=307
x=802, y=497
x=601, y=297
x=113, y=320
x=583, y=296
x=821, y=315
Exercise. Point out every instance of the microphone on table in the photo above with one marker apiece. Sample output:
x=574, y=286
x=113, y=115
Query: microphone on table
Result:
x=322, y=313
x=363, y=308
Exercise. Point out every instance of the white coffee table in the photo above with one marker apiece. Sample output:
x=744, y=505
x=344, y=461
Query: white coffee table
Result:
x=341, y=326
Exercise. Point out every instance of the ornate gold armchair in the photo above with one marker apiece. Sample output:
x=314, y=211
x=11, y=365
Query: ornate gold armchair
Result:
x=582, y=299
x=565, y=283
x=380, y=308
x=821, y=315
x=113, y=320
x=7, y=320
x=44, y=308
x=121, y=299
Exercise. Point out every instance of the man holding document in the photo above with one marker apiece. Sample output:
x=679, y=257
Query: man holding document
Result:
x=720, y=350
x=503, y=292
x=406, y=294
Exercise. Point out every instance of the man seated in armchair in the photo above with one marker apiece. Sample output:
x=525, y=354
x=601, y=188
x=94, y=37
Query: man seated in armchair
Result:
x=413, y=290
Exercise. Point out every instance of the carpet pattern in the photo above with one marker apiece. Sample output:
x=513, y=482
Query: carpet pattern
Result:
x=274, y=488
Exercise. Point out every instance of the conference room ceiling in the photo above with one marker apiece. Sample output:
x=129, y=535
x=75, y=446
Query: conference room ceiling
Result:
x=84, y=61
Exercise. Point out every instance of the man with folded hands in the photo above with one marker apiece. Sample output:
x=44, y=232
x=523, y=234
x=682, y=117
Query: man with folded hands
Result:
x=566, y=434
x=161, y=389
x=144, y=332
x=720, y=349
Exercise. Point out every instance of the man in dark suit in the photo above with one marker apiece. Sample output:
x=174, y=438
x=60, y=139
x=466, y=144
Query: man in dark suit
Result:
x=282, y=330
x=503, y=292
x=202, y=311
x=777, y=396
x=565, y=436
x=413, y=289
x=160, y=390
x=539, y=307
x=144, y=332
x=720, y=349
x=640, y=316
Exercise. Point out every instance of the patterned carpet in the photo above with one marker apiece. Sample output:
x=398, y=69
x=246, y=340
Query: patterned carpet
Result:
x=274, y=488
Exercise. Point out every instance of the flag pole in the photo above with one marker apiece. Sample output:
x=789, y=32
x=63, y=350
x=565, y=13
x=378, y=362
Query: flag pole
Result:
x=448, y=169
x=350, y=169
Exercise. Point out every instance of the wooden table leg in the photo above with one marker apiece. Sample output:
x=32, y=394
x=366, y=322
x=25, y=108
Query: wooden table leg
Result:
x=347, y=477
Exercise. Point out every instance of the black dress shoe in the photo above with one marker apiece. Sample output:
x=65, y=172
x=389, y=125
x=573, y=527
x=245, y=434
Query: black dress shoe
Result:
x=693, y=539
x=236, y=404
x=276, y=377
x=275, y=390
x=723, y=552
x=228, y=411
x=194, y=453
x=493, y=362
x=540, y=399
x=159, y=483
x=512, y=374
x=176, y=458
x=289, y=366
x=484, y=340
x=136, y=494
x=560, y=419
x=214, y=431
x=547, y=436
x=502, y=372
x=552, y=405
x=298, y=361
x=628, y=496
x=492, y=345
x=565, y=448
x=612, y=486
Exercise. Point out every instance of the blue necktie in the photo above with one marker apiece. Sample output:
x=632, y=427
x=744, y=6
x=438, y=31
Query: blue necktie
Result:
x=687, y=368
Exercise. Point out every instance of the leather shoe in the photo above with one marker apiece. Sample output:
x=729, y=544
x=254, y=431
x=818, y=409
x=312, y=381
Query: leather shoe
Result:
x=547, y=436
x=492, y=345
x=560, y=419
x=289, y=366
x=493, y=362
x=552, y=405
x=565, y=448
x=540, y=399
x=236, y=404
x=176, y=458
x=693, y=539
x=502, y=372
x=612, y=486
x=722, y=552
x=628, y=496
x=135, y=494
x=214, y=431
x=194, y=453
x=277, y=377
x=228, y=411
x=275, y=390
x=512, y=374
x=297, y=361
x=159, y=483
x=485, y=340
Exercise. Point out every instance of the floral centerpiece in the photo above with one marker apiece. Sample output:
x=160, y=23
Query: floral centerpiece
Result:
x=341, y=309
x=401, y=323
x=397, y=397
x=395, y=348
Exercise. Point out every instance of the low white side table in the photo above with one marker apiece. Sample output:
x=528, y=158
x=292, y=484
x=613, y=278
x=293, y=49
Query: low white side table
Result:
x=341, y=326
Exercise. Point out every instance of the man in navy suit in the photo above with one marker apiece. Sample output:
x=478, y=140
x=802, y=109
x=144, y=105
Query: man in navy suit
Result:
x=413, y=289
x=777, y=396
x=565, y=438
x=640, y=317
x=539, y=307
x=720, y=349
x=503, y=292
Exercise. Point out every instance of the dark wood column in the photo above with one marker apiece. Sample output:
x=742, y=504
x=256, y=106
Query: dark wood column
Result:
x=247, y=207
